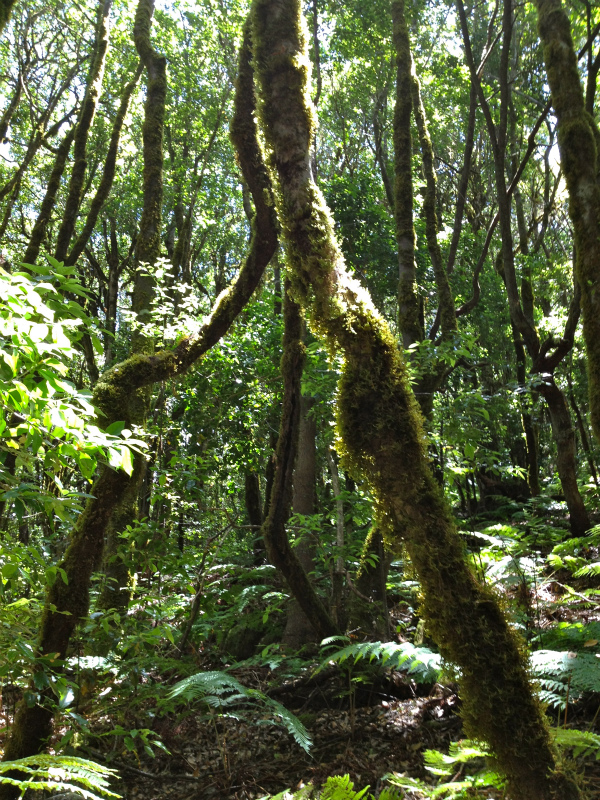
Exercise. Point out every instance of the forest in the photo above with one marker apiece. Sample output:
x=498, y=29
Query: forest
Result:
x=300, y=399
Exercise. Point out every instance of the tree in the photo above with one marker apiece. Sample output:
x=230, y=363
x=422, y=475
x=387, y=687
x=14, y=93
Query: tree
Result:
x=379, y=426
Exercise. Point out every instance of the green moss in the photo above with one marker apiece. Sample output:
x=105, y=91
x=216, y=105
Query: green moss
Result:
x=577, y=140
x=380, y=430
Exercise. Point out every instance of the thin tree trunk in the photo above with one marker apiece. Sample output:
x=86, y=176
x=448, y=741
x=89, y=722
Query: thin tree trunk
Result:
x=564, y=436
x=49, y=201
x=408, y=300
x=108, y=173
x=84, y=124
x=381, y=432
x=298, y=629
x=339, y=570
x=279, y=550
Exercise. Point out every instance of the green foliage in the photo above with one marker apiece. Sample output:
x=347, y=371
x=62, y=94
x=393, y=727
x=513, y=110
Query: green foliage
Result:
x=222, y=692
x=560, y=673
x=60, y=773
x=462, y=753
x=582, y=743
x=337, y=787
x=47, y=420
x=421, y=663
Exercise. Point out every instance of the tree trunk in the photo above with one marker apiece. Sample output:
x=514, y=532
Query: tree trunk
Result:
x=84, y=124
x=279, y=550
x=564, y=436
x=578, y=143
x=408, y=300
x=298, y=629
x=381, y=432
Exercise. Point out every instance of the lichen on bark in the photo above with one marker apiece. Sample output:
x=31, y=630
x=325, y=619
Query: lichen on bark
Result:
x=380, y=429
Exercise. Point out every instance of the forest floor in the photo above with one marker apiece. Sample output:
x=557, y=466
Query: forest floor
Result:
x=365, y=721
x=379, y=728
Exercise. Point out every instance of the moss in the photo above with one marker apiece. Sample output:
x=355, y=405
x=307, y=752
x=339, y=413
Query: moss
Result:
x=39, y=229
x=5, y=9
x=380, y=429
x=577, y=140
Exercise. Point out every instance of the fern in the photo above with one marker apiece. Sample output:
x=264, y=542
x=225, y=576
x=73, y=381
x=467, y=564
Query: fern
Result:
x=421, y=663
x=340, y=787
x=337, y=787
x=63, y=773
x=220, y=690
x=584, y=743
x=556, y=670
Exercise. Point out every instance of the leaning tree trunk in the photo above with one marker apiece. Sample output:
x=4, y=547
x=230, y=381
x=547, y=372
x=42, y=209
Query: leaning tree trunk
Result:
x=380, y=429
x=578, y=143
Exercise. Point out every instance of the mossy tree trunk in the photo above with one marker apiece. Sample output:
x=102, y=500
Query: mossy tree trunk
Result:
x=116, y=397
x=578, y=143
x=41, y=224
x=5, y=9
x=380, y=430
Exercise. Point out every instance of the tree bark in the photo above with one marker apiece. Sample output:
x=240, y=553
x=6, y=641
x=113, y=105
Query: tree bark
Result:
x=578, y=143
x=108, y=172
x=279, y=550
x=298, y=629
x=408, y=299
x=381, y=432
x=84, y=124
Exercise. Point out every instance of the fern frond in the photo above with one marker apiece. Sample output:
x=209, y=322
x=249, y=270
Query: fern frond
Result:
x=421, y=663
x=63, y=773
x=584, y=743
x=340, y=787
x=221, y=690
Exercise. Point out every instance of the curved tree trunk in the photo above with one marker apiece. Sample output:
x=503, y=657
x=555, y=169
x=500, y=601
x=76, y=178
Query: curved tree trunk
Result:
x=381, y=432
